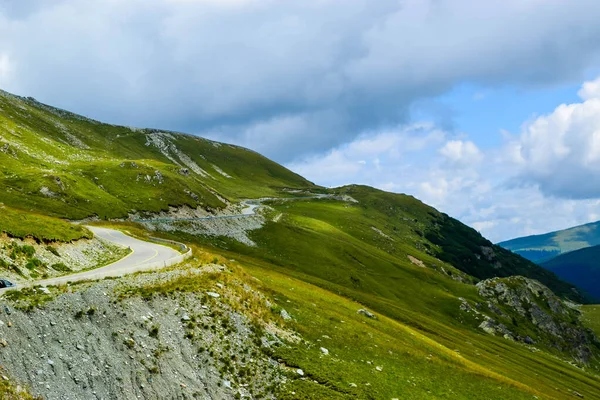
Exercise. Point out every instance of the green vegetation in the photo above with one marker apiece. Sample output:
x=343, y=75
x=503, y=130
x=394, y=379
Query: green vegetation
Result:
x=21, y=224
x=591, y=317
x=321, y=261
x=60, y=164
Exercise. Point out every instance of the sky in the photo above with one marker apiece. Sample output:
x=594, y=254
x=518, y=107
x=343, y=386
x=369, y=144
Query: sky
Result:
x=488, y=111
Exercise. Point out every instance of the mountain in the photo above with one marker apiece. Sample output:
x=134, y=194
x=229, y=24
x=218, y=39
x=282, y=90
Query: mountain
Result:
x=338, y=293
x=580, y=267
x=68, y=166
x=540, y=248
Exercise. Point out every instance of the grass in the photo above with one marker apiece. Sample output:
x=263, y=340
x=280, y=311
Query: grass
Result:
x=591, y=317
x=431, y=360
x=20, y=224
x=321, y=262
x=60, y=164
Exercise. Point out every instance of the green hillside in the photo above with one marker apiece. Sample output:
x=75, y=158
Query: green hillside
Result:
x=580, y=267
x=64, y=165
x=540, y=248
x=397, y=293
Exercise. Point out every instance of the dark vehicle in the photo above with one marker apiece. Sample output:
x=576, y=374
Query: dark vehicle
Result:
x=6, y=284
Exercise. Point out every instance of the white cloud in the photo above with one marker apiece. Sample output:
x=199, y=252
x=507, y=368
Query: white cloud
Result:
x=560, y=151
x=240, y=67
x=5, y=69
x=590, y=90
x=461, y=153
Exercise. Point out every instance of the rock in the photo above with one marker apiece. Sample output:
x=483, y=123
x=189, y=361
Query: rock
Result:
x=183, y=385
x=213, y=294
x=577, y=394
x=3, y=343
x=80, y=347
x=227, y=384
x=324, y=351
x=50, y=362
x=5, y=377
x=378, y=368
x=44, y=290
x=185, y=317
x=528, y=340
x=284, y=314
x=220, y=285
x=300, y=372
x=9, y=324
x=353, y=385
x=366, y=313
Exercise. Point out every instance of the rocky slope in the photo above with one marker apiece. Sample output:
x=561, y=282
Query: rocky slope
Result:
x=116, y=339
x=524, y=310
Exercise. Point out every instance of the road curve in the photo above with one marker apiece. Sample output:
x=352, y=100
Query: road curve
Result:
x=144, y=254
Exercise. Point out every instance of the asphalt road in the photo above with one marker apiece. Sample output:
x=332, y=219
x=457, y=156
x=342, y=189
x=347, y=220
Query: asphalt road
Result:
x=144, y=254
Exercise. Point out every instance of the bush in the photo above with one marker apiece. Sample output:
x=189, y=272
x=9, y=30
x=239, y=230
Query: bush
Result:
x=33, y=264
x=53, y=250
x=60, y=267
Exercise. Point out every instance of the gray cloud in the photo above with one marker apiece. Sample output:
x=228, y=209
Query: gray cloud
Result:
x=285, y=78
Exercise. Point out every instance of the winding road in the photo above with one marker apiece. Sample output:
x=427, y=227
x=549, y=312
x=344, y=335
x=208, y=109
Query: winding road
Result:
x=144, y=256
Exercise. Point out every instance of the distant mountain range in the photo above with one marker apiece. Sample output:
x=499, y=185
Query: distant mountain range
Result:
x=573, y=254
x=580, y=267
x=541, y=248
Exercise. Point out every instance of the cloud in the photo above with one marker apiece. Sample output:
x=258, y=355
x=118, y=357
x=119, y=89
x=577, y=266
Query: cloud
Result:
x=5, y=68
x=383, y=154
x=456, y=177
x=560, y=151
x=461, y=153
x=273, y=75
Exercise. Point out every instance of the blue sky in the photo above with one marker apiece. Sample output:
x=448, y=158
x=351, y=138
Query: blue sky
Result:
x=485, y=110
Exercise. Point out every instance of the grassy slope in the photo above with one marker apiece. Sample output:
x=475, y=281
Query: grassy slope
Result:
x=579, y=267
x=324, y=257
x=19, y=224
x=591, y=316
x=332, y=245
x=421, y=356
x=541, y=248
x=88, y=168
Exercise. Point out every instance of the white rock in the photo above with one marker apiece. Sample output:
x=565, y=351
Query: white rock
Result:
x=378, y=368
x=300, y=372
x=284, y=314
x=324, y=351
x=213, y=294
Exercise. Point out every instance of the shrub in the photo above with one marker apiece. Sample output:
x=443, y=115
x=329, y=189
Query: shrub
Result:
x=53, y=250
x=33, y=264
x=60, y=267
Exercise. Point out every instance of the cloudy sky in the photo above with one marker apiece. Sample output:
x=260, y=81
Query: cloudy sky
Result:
x=487, y=110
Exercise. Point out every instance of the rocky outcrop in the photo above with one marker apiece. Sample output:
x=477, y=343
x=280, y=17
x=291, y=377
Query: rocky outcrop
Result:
x=521, y=305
